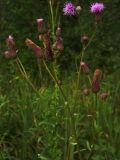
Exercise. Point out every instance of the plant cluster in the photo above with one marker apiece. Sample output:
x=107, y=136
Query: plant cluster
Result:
x=79, y=108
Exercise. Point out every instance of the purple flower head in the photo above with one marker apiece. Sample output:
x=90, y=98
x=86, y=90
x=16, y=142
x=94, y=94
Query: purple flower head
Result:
x=69, y=9
x=97, y=7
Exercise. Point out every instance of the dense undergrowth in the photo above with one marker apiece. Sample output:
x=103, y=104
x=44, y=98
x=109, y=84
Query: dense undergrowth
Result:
x=33, y=127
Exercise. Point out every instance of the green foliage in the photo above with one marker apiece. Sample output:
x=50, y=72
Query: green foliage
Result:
x=42, y=118
x=33, y=127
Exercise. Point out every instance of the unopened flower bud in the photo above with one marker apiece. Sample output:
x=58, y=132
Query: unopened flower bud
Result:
x=7, y=54
x=104, y=96
x=58, y=44
x=11, y=53
x=40, y=23
x=37, y=50
x=95, y=86
x=84, y=67
x=41, y=37
x=78, y=9
x=97, y=74
x=86, y=91
x=46, y=40
x=58, y=31
x=10, y=42
x=84, y=40
x=48, y=54
x=29, y=43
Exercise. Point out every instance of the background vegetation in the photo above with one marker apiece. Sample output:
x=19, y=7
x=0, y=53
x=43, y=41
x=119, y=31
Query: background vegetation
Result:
x=32, y=127
x=18, y=18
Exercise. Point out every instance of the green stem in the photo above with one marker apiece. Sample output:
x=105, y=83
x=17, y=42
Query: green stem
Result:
x=1, y=157
x=82, y=56
x=68, y=107
x=24, y=74
x=96, y=26
x=96, y=108
x=21, y=65
x=40, y=70
x=52, y=16
x=96, y=100
x=78, y=80
x=55, y=80
x=56, y=15
x=83, y=52
x=66, y=134
x=89, y=79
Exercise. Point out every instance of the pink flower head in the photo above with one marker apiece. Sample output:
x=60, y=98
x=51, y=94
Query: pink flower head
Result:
x=10, y=41
x=97, y=7
x=69, y=9
x=40, y=23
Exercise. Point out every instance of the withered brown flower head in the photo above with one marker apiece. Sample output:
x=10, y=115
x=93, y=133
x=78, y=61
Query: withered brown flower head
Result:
x=78, y=9
x=97, y=74
x=29, y=43
x=37, y=50
x=46, y=40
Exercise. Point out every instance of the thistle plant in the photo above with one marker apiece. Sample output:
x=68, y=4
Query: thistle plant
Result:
x=83, y=103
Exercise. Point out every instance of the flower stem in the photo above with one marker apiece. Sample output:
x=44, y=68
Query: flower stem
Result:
x=52, y=17
x=68, y=107
x=55, y=80
x=39, y=62
x=89, y=79
x=78, y=80
x=94, y=33
x=96, y=100
x=24, y=74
